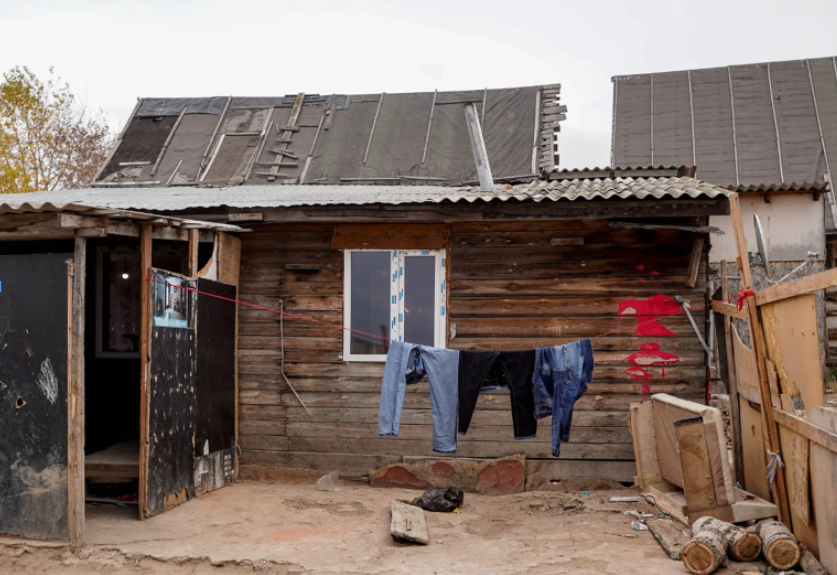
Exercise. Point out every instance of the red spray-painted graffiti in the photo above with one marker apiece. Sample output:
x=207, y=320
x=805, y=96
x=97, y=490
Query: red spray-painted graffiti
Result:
x=649, y=354
x=656, y=305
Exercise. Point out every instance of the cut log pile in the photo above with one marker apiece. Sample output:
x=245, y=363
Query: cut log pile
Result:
x=714, y=541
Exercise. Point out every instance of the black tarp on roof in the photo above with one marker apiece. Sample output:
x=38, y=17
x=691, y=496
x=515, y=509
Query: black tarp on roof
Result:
x=414, y=137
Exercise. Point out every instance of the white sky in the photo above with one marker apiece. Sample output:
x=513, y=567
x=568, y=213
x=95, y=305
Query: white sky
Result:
x=113, y=51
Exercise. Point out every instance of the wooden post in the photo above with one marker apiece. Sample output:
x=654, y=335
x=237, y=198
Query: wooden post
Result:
x=194, y=242
x=145, y=396
x=694, y=263
x=780, y=493
x=732, y=384
x=75, y=397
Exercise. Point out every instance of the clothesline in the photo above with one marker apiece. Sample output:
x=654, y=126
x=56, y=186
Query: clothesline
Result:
x=740, y=297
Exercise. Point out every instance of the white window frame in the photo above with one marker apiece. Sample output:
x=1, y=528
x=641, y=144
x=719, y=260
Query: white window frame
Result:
x=396, y=299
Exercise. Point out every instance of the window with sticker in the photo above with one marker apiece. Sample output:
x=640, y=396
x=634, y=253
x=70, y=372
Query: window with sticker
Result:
x=392, y=295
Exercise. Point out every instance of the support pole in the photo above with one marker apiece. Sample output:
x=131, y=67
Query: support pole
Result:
x=780, y=493
x=145, y=390
x=732, y=385
x=478, y=148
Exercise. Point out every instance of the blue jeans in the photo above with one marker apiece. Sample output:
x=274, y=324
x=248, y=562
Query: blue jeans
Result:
x=407, y=364
x=560, y=379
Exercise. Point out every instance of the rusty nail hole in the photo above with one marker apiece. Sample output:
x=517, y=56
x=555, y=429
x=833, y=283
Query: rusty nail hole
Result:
x=20, y=403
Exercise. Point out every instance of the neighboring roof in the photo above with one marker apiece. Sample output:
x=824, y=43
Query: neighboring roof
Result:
x=114, y=213
x=179, y=199
x=751, y=125
x=418, y=138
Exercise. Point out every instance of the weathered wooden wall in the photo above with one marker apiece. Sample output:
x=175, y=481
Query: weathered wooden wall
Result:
x=513, y=285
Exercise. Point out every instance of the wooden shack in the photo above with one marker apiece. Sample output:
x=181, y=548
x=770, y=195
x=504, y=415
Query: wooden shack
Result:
x=578, y=255
x=522, y=273
x=117, y=380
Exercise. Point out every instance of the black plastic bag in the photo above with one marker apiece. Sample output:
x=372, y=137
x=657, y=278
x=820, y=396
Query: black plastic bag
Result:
x=441, y=499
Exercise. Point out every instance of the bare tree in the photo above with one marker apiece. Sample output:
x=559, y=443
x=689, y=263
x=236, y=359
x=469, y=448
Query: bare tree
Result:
x=48, y=140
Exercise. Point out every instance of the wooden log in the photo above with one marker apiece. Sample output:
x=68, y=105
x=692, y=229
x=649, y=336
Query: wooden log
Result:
x=704, y=553
x=741, y=544
x=810, y=564
x=779, y=545
x=408, y=523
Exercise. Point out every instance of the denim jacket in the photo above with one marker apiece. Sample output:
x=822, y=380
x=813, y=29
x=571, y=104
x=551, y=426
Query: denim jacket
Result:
x=560, y=378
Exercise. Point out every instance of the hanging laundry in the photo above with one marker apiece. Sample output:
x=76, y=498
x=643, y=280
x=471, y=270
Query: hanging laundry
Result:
x=561, y=376
x=486, y=371
x=407, y=364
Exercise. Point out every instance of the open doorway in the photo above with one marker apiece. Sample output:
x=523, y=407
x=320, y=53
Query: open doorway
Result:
x=113, y=366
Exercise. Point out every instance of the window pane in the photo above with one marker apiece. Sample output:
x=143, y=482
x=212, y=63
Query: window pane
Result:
x=419, y=299
x=370, y=292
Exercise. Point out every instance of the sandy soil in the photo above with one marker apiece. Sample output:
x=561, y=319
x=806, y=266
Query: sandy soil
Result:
x=289, y=528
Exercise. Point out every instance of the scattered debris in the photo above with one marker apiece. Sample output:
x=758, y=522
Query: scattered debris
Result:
x=671, y=536
x=408, y=523
x=330, y=482
x=631, y=499
x=441, y=499
x=639, y=526
x=780, y=546
x=810, y=564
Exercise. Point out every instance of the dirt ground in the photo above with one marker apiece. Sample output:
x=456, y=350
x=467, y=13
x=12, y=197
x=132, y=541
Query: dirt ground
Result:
x=289, y=528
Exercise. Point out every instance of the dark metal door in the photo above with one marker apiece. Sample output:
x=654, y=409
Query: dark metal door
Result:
x=34, y=438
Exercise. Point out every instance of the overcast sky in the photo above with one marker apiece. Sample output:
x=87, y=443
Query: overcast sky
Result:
x=111, y=51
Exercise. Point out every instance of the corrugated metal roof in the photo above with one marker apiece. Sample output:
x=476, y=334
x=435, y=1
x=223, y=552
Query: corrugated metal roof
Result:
x=186, y=198
x=748, y=125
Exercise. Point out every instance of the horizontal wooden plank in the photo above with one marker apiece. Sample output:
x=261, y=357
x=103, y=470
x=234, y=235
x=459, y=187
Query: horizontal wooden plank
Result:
x=264, y=327
x=629, y=344
x=559, y=254
x=560, y=469
x=281, y=414
x=622, y=382
x=360, y=462
x=511, y=226
x=281, y=288
x=498, y=401
x=604, y=358
x=250, y=426
x=542, y=238
x=599, y=268
x=397, y=229
x=248, y=314
x=803, y=285
x=731, y=310
x=268, y=442
x=567, y=327
x=296, y=303
x=389, y=242
x=246, y=342
x=529, y=448
x=574, y=286
x=475, y=433
x=284, y=240
x=569, y=306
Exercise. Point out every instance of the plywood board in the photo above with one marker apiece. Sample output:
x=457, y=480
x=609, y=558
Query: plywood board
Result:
x=823, y=480
x=790, y=331
x=795, y=456
x=645, y=446
x=752, y=439
x=408, y=523
x=694, y=462
x=746, y=370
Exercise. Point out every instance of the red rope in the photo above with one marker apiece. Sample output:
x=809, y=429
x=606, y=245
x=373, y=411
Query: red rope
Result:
x=742, y=295
x=302, y=317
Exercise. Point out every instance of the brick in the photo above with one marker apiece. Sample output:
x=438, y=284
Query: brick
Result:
x=502, y=477
x=442, y=467
x=398, y=476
